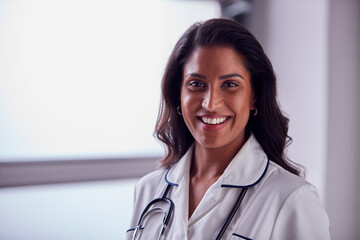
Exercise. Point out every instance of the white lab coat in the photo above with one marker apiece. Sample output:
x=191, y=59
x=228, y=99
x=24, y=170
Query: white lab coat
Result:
x=278, y=205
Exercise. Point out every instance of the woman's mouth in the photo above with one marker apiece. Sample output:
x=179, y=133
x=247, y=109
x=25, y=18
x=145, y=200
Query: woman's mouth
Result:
x=213, y=121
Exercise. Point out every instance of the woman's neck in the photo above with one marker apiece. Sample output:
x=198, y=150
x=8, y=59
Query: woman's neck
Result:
x=212, y=162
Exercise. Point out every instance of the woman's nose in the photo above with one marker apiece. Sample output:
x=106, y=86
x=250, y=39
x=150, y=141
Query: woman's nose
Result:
x=212, y=100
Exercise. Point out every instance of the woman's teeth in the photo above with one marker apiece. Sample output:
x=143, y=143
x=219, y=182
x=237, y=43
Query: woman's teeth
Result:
x=213, y=120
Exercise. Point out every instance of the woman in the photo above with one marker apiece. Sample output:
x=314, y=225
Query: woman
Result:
x=225, y=175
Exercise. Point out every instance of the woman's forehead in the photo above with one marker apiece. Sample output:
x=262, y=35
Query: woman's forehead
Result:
x=214, y=57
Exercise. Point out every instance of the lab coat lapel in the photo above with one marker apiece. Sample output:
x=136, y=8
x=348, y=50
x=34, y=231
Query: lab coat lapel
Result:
x=178, y=177
x=209, y=201
x=248, y=166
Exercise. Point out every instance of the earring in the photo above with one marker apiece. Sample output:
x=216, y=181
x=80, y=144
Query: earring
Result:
x=178, y=109
x=255, y=113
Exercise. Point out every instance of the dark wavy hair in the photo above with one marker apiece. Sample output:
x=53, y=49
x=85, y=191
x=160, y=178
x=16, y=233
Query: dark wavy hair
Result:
x=269, y=126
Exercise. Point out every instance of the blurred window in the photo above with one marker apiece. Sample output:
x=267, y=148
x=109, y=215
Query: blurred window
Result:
x=82, y=78
x=91, y=211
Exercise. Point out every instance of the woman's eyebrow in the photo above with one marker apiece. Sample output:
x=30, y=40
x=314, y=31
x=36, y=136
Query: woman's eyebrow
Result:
x=230, y=76
x=196, y=75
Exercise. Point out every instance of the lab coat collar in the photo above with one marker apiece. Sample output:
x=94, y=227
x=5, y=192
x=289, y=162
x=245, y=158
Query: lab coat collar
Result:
x=175, y=174
x=245, y=170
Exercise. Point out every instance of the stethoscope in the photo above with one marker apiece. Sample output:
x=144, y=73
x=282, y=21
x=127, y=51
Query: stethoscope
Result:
x=167, y=214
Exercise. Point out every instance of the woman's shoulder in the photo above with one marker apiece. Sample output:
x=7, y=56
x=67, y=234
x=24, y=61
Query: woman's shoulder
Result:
x=299, y=207
x=285, y=184
x=293, y=206
x=279, y=174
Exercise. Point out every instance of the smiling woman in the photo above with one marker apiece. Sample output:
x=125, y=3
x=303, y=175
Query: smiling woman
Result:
x=225, y=175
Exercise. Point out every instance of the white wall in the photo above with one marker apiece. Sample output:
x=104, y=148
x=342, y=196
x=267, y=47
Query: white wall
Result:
x=343, y=165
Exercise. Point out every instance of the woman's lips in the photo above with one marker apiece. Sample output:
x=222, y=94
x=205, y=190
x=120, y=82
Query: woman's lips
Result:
x=213, y=123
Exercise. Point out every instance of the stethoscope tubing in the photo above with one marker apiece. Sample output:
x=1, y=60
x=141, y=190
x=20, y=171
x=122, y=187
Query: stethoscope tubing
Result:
x=232, y=213
x=168, y=214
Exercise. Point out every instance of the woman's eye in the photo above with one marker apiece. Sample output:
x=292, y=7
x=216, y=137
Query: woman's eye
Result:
x=230, y=84
x=196, y=84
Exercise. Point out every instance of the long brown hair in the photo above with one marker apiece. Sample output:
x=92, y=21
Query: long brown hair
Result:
x=269, y=126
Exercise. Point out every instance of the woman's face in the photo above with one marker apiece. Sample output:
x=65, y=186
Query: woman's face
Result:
x=216, y=97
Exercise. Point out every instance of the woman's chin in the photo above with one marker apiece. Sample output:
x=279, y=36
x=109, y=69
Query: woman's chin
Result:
x=210, y=143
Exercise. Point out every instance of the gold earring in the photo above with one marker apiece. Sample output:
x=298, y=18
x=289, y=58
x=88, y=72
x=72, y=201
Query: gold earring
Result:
x=256, y=112
x=178, y=109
